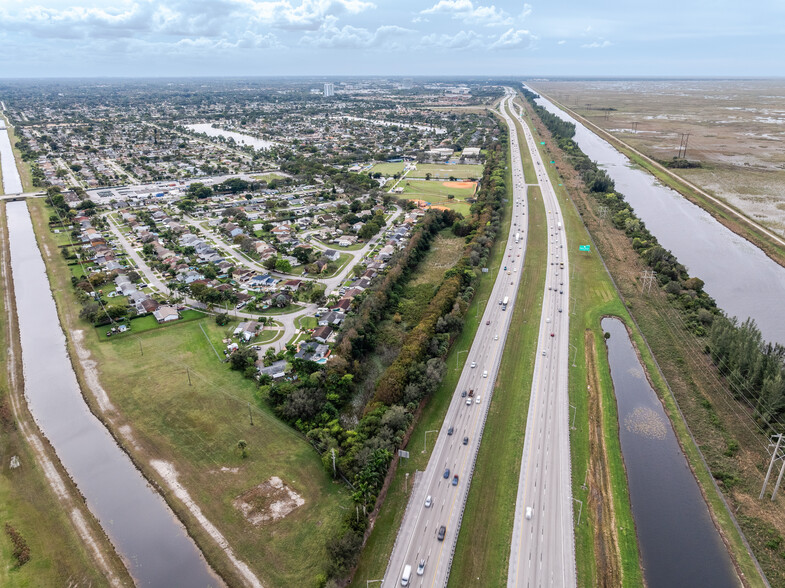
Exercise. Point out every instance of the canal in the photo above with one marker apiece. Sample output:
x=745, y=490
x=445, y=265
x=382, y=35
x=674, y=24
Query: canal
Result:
x=740, y=277
x=143, y=529
x=679, y=544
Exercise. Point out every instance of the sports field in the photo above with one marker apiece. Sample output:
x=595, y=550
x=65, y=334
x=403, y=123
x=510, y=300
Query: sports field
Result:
x=436, y=193
x=388, y=169
x=445, y=171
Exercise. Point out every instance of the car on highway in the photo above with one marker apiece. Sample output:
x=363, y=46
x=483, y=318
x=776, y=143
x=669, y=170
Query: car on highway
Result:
x=450, y=430
x=463, y=394
x=505, y=268
x=528, y=513
x=485, y=374
x=442, y=532
x=560, y=310
x=496, y=337
x=428, y=501
x=465, y=440
x=474, y=364
x=406, y=576
x=553, y=334
x=446, y=473
x=455, y=480
x=544, y=353
x=421, y=567
x=471, y=392
x=478, y=399
x=488, y=322
x=468, y=402
x=508, y=273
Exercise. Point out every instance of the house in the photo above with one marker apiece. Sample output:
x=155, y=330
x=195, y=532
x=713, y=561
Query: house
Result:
x=343, y=305
x=149, y=305
x=331, y=254
x=247, y=330
x=321, y=334
x=312, y=351
x=386, y=252
x=291, y=285
x=331, y=318
x=275, y=370
x=165, y=314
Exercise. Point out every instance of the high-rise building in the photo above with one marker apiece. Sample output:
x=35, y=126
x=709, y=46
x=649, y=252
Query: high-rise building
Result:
x=329, y=89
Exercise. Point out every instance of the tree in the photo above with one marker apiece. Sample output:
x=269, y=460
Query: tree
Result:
x=283, y=266
x=198, y=190
x=242, y=445
x=242, y=358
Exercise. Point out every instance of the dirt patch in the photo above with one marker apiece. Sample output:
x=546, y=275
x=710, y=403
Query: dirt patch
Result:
x=270, y=501
x=459, y=184
x=606, y=544
x=90, y=368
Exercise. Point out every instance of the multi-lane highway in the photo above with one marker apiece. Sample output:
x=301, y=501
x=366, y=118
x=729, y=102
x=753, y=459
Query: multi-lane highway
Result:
x=542, y=551
x=446, y=479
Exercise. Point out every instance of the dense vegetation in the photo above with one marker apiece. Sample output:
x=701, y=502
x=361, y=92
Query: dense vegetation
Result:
x=312, y=402
x=755, y=369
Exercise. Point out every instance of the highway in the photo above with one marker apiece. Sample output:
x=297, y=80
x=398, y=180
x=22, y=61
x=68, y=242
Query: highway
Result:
x=458, y=440
x=542, y=551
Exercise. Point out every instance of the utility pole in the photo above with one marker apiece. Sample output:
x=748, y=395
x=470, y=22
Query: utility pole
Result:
x=602, y=211
x=683, y=145
x=635, y=127
x=774, y=457
x=250, y=414
x=648, y=278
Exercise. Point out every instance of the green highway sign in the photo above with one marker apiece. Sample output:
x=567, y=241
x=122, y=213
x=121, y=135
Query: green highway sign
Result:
x=542, y=142
x=553, y=162
x=585, y=247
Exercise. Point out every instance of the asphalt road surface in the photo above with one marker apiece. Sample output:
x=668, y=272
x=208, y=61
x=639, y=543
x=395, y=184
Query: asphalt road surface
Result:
x=542, y=551
x=459, y=438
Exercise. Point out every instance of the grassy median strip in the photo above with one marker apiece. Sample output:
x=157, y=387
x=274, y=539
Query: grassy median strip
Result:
x=483, y=550
x=375, y=556
x=183, y=405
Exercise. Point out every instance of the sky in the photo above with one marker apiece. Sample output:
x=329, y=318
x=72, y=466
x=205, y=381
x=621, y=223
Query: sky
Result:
x=164, y=38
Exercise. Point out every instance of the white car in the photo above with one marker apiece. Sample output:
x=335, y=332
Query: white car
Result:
x=496, y=337
x=485, y=374
x=528, y=513
x=421, y=567
x=474, y=364
x=428, y=501
x=478, y=399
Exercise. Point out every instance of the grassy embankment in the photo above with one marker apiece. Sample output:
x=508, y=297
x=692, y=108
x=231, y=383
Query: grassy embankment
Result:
x=196, y=427
x=437, y=193
x=58, y=556
x=373, y=561
x=693, y=394
x=734, y=219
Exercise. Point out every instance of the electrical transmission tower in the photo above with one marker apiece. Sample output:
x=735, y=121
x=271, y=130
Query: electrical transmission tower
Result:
x=602, y=211
x=635, y=127
x=648, y=278
x=683, y=145
x=777, y=455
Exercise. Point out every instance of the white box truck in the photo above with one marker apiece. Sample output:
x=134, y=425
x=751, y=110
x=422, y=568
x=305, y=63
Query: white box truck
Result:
x=407, y=575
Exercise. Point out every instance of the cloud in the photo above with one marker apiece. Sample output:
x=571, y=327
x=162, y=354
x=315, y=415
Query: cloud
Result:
x=460, y=40
x=466, y=11
x=561, y=42
x=512, y=39
x=597, y=44
x=330, y=35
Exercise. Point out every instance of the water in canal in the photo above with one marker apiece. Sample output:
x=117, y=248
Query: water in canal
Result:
x=679, y=543
x=743, y=281
x=154, y=545
x=12, y=183
x=239, y=138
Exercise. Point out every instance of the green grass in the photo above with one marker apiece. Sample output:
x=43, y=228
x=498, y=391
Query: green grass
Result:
x=373, y=561
x=197, y=427
x=355, y=247
x=443, y=171
x=436, y=193
x=145, y=323
x=445, y=250
x=343, y=259
x=306, y=322
x=483, y=549
x=388, y=169
x=268, y=177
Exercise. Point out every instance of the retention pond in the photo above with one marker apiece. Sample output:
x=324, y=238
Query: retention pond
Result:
x=153, y=543
x=679, y=543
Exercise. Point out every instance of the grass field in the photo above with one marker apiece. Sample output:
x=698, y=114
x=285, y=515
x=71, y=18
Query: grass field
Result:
x=373, y=561
x=197, y=427
x=268, y=177
x=443, y=171
x=144, y=323
x=445, y=250
x=388, y=169
x=436, y=193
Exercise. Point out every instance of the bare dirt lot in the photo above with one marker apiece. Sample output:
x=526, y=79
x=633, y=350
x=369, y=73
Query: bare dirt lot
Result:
x=736, y=130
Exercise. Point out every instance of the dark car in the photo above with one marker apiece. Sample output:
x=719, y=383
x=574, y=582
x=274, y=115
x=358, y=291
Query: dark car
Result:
x=465, y=440
x=450, y=430
x=487, y=322
x=446, y=473
x=463, y=394
x=455, y=480
x=442, y=532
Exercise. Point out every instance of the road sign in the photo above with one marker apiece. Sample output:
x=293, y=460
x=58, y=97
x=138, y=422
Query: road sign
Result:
x=585, y=247
x=553, y=162
x=485, y=270
x=542, y=142
x=402, y=453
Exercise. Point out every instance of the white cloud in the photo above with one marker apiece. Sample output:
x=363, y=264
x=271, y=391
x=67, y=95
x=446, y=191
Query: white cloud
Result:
x=460, y=40
x=348, y=37
x=512, y=39
x=562, y=42
x=466, y=11
x=597, y=44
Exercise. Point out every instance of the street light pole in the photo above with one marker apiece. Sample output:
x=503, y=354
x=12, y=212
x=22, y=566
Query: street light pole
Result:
x=477, y=312
x=458, y=355
x=574, y=355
